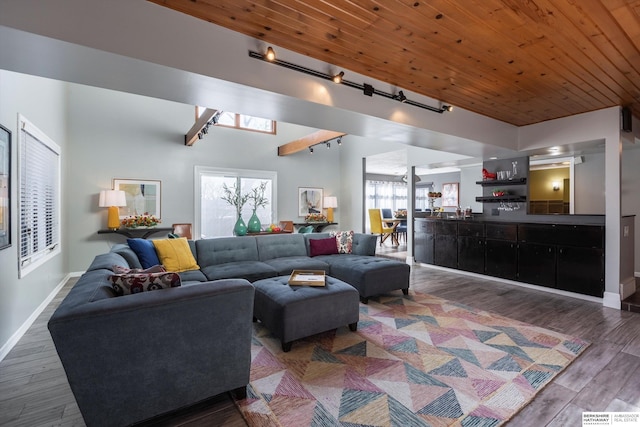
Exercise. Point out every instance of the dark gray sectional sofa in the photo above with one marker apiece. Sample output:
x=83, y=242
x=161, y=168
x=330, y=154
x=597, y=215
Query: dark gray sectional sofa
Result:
x=134, y=357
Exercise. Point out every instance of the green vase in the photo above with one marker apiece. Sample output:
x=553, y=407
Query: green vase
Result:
x=240, y=229
x=254, y=225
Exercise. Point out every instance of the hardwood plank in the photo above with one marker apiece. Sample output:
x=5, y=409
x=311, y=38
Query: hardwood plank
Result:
x=588, y=365
x=604, y=387
x=570, y=415
x=545, y=406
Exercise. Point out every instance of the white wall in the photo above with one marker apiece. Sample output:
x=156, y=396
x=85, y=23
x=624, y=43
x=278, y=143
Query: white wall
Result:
x=119, y=135
x=43, y=102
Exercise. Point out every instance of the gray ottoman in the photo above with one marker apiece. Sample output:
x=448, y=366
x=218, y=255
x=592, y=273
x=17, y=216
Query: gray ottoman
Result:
x=293, y=312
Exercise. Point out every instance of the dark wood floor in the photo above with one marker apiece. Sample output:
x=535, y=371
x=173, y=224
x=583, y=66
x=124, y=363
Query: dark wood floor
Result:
x=34, y=390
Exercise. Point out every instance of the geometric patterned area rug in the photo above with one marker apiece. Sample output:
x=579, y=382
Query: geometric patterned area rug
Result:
x=415, y=360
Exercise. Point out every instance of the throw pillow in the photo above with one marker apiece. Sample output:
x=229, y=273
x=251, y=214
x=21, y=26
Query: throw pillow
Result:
x=344, y=241
x=175, y=254
x=323, y=246
x=133, y=283
x=118, y=269
x=145, y=250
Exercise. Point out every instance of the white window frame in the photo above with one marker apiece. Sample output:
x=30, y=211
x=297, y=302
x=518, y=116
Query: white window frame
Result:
x=199, y=171
x=45, y=252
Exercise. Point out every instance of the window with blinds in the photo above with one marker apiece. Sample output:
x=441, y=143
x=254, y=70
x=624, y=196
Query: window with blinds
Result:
x=39, y=200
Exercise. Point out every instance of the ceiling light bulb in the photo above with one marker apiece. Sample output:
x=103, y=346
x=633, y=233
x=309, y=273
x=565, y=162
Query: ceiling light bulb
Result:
x=270, y=55
x=401, y=97
x=447, y=108
x=338, y=77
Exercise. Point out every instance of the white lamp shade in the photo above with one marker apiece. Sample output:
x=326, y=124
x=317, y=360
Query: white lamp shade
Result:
x=110, y=198
x=330, y=202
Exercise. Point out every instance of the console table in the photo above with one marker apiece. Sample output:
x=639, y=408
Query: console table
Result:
x=141, y=233
x=317, y=226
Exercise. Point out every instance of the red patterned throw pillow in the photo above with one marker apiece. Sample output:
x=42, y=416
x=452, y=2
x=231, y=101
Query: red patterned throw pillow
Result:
x=344, y=241
x=133, y=283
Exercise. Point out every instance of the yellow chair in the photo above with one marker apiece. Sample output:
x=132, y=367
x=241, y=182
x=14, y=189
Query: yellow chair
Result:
x=378, y=226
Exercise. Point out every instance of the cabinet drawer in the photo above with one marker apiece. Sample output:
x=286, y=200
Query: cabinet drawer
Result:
x=447, y=227
x=501, y=231
x=537, y=233
x=425, y=226
x=584, y=236
x=470, y=229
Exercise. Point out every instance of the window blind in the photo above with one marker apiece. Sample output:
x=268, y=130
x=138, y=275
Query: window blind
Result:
x=39, y=185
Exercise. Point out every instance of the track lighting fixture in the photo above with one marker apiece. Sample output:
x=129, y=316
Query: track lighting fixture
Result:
x=270, y=55
x=367, y=89
x=311, y=150
x=199, y=135
x=328, y=145
x=339, y=140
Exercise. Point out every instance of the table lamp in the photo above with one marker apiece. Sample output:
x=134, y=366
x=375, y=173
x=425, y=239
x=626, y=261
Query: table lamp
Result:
x=330, y=202
x=112, y=199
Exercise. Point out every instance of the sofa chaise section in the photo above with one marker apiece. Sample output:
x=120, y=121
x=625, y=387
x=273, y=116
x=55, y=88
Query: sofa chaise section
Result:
x=133, y=357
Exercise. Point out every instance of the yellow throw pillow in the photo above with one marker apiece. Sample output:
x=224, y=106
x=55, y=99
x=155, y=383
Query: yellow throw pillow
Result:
x=175, y=254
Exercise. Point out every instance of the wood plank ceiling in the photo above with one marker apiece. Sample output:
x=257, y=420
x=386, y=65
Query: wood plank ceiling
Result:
x=519, y=61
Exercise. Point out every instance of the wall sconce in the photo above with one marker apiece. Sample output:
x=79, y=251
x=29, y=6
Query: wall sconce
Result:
x=556, y=186
x=330, y=202
x=112, y=199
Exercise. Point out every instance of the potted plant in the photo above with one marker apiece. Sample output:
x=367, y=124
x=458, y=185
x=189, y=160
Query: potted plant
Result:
x=258, y=200
x=234, y=197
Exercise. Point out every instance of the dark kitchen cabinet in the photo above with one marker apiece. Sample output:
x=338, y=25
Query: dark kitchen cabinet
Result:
x=424, y=241
x=562, y=256
x=471, y=247
x=537, y=264
x=446, y=244
x=501, y=252
x=581, y=270
x=501, y=259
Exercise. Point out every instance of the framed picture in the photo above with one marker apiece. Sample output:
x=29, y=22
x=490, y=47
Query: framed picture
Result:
x=143, y=197
x=309, y=200
x=450, y=195
x=5, y=187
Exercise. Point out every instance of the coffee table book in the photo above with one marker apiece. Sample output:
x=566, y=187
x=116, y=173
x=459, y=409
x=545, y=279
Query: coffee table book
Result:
x=307, y=278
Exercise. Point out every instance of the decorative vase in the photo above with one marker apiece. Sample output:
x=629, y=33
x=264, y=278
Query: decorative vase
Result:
x=254, y=225
x=240, y=229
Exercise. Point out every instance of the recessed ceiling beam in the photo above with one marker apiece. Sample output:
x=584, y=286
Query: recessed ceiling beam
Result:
x=192, y=136
x=305, y=142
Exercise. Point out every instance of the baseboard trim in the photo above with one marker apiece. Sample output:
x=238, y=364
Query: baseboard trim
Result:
x=522, y=285
x=13, y=340
x=612, y=300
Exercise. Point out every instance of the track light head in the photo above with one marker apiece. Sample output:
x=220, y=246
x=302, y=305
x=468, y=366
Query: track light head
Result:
x=270, y=55
x=328, y=145
x=447, y=108
x=339, y=140
x=400, y=97
x=311, y=150
x=338, y=77
x=368, y=89
x=199, y=135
